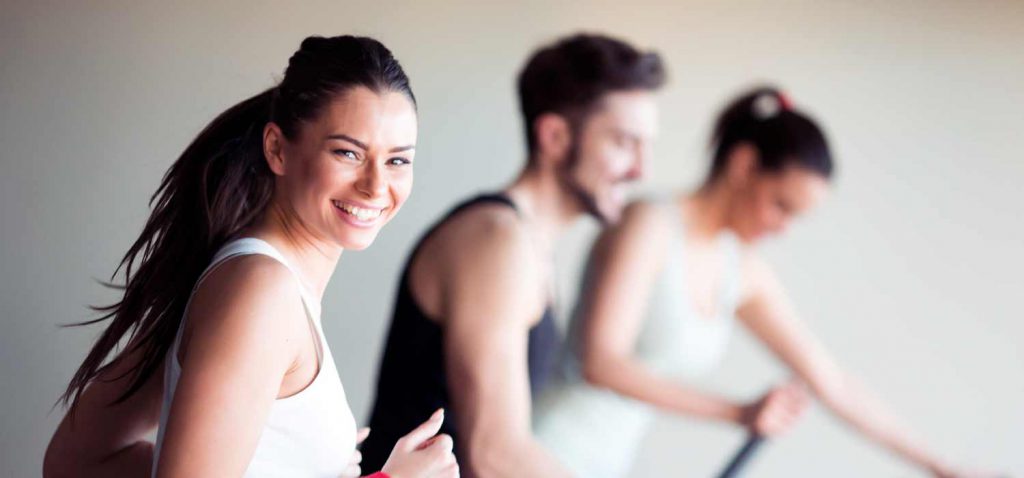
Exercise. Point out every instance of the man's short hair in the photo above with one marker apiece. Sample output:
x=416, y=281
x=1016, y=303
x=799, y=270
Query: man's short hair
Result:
x=571, y=76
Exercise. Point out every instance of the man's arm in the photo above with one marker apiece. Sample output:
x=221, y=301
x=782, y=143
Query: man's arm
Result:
x=493, y=295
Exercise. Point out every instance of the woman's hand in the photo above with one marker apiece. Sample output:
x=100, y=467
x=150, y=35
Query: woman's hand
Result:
x=353, y=470
x=777, y=411
x=423, y=454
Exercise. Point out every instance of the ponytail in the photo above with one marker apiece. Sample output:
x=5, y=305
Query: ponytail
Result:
x=215, y=188
x=766, y=119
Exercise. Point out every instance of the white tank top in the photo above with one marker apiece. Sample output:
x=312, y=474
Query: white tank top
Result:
x=309, y=434
x=596, y=432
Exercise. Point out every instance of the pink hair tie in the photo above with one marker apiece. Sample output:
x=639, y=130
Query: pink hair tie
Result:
x=784, y=102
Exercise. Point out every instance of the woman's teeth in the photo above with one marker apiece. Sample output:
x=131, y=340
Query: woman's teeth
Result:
x=360, y=213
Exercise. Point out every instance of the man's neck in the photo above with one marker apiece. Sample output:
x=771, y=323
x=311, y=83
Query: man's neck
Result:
x=545, y=203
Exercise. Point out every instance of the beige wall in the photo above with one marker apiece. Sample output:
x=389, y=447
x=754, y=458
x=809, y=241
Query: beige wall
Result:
x=910, y=272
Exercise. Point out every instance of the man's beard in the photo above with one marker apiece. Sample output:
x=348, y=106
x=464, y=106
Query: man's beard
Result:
x=585, y=197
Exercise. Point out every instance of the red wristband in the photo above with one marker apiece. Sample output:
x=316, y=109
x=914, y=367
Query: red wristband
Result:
x=379, y=474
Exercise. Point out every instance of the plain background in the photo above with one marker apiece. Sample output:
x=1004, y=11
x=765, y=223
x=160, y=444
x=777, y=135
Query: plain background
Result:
x=909, y=272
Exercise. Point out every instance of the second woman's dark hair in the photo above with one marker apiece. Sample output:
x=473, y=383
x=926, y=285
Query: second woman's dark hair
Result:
x=765, y=119
x=219, y=185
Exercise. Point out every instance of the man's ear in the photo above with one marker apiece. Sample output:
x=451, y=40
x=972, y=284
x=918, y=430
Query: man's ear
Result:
x=554, y=136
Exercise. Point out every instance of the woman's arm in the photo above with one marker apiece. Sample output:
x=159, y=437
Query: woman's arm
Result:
x=237, y=357
x=768, y=314
x=99, y=438
x=240, y=342
x=623, y=265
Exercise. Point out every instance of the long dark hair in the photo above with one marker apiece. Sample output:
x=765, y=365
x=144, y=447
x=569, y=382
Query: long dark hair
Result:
x=219, y=185
x=764, y=118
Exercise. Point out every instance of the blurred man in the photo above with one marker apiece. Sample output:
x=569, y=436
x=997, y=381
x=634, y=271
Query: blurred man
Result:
x=473, y=330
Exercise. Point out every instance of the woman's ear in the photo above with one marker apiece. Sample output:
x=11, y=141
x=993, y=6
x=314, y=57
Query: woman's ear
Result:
x=742, y=165
x=273, y=148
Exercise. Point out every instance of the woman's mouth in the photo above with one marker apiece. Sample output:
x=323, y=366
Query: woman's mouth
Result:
x=360, y=216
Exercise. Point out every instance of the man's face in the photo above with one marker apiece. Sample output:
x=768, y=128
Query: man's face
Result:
x=610, y=150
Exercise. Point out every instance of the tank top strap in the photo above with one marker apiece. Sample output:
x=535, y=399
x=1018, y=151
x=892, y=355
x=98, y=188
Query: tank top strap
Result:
x=252, y=245
x=729, y=244
x=671, y=208
x=248, y=246
x=490, y=197
x=732, y=250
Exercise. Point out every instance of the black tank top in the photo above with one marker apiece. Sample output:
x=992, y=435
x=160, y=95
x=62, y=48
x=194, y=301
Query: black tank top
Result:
x=412, y=384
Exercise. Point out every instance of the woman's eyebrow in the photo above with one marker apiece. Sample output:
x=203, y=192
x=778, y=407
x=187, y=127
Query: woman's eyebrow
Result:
x=362, y=145
x=402, y=148
x=345, y=137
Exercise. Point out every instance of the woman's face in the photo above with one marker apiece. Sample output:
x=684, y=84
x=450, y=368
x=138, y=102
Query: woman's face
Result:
x=350, y=170
x=767, y=203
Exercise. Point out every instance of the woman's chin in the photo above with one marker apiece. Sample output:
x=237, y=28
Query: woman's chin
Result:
x=352, y=245
x=356, y=242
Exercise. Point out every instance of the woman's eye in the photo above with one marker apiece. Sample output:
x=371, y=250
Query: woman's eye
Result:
x=398, y=161
x=346, y=153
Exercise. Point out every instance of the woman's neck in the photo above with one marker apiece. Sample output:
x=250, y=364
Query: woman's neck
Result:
x=314, y=259
x=707, y=211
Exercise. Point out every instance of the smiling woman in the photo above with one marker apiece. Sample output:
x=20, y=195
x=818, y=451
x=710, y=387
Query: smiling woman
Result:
x=367, y=142
x=221, y=305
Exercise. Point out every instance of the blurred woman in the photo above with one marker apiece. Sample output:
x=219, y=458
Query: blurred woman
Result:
x=221, y=307
x=663, y=287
